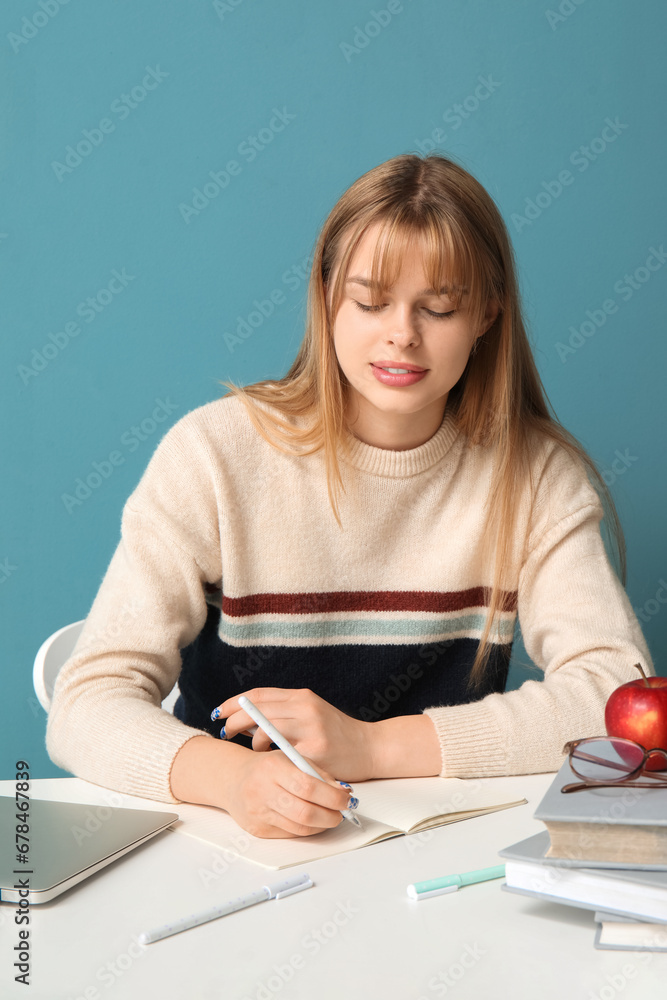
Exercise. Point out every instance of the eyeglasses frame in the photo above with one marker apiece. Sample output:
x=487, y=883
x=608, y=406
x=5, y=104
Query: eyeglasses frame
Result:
x=625, y=781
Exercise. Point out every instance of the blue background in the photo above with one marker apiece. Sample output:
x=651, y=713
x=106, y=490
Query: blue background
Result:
x=356, y=97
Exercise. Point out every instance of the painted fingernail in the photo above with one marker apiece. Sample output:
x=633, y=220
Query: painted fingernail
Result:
x=345, y=785
x=352, y=803
x=223, y=735
x=215, y=714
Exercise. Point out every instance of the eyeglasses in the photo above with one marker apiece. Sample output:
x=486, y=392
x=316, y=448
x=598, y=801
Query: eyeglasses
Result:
x=611, y=760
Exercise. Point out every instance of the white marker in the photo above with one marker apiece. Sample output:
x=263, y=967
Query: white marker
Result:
x=290, y=885
x=286, y=747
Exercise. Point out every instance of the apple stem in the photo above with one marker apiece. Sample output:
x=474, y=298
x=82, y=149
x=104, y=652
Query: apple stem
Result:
x=641, y=670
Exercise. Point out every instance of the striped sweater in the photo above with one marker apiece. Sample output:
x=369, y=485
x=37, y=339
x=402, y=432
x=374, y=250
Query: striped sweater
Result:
x=232, y=573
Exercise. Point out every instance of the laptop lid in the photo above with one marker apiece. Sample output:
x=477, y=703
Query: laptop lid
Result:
x=67, y=842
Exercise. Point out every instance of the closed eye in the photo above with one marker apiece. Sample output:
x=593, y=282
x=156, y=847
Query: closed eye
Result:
x=436, y=315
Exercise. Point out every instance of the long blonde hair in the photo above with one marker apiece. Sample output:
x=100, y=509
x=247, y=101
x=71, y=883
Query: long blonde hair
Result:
x=498, y=401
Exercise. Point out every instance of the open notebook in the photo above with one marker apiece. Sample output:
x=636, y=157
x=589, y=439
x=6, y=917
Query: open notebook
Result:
x=387, y=808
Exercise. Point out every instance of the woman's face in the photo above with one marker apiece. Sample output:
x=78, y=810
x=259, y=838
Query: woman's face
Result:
x=414, y=327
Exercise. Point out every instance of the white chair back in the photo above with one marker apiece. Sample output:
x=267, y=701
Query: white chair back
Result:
x=53, y=653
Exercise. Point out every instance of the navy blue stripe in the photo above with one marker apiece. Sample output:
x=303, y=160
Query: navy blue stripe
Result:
x=367, y=682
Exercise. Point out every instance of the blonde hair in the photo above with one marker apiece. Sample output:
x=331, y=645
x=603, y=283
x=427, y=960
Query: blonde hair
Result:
x=499, y=400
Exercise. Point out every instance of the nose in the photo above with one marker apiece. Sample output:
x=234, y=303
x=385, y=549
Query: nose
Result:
x=403, y=327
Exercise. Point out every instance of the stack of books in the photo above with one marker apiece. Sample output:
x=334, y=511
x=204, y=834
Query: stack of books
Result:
x=604, y=849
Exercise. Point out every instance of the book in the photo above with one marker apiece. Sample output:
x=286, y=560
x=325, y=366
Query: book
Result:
x=605, y=824
x=621, y=934
x=539, y=847
x=635, y=893
x=389, y=807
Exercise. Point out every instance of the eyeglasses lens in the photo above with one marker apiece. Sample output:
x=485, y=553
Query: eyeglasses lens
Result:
x=606, y=760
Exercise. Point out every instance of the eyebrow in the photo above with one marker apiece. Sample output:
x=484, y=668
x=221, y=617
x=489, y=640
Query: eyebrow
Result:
x=357, y=279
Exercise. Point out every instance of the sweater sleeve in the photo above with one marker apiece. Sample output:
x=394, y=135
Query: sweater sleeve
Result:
x=578, y=627
x=105, y=723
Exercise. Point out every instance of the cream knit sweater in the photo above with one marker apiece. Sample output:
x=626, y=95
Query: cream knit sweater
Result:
x=382, y=618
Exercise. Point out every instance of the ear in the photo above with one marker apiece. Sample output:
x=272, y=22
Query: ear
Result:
x=490, y=316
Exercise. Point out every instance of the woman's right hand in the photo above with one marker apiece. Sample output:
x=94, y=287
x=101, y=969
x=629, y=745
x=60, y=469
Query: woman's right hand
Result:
x=269, y=796
x=265, y=792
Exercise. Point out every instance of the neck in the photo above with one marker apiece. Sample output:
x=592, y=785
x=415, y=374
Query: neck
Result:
x=396, y=431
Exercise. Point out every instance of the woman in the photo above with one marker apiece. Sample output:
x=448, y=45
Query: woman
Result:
x=350, y=545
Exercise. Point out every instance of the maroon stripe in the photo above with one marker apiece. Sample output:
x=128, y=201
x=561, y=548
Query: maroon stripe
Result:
x=364, y=600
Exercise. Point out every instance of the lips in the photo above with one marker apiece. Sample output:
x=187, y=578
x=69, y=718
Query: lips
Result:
x=397, y=364
x=396, y=380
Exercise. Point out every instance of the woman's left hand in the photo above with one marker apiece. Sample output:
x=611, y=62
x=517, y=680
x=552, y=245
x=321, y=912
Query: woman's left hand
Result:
x=338, y=743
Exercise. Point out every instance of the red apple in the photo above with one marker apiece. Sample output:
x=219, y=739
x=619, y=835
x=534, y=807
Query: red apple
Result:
x=638, y=711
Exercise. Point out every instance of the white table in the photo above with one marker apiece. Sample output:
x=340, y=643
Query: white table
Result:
x=354, y=935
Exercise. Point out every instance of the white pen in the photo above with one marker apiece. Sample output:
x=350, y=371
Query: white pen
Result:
x=287, y=747
x=285, y=888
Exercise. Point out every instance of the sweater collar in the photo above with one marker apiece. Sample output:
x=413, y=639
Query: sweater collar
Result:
x=402, y=464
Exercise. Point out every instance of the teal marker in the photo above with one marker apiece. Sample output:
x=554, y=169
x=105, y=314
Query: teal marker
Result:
x=450, y=883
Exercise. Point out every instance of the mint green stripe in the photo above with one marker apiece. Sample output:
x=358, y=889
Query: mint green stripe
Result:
x=414, y=629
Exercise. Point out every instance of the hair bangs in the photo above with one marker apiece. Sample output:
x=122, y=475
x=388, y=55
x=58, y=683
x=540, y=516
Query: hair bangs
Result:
x=448, y=260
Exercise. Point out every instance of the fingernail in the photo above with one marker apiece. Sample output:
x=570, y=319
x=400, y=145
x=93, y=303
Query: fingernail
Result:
x=345, y=785
x=215, y=714
x=352, y=803
x=223, y=735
